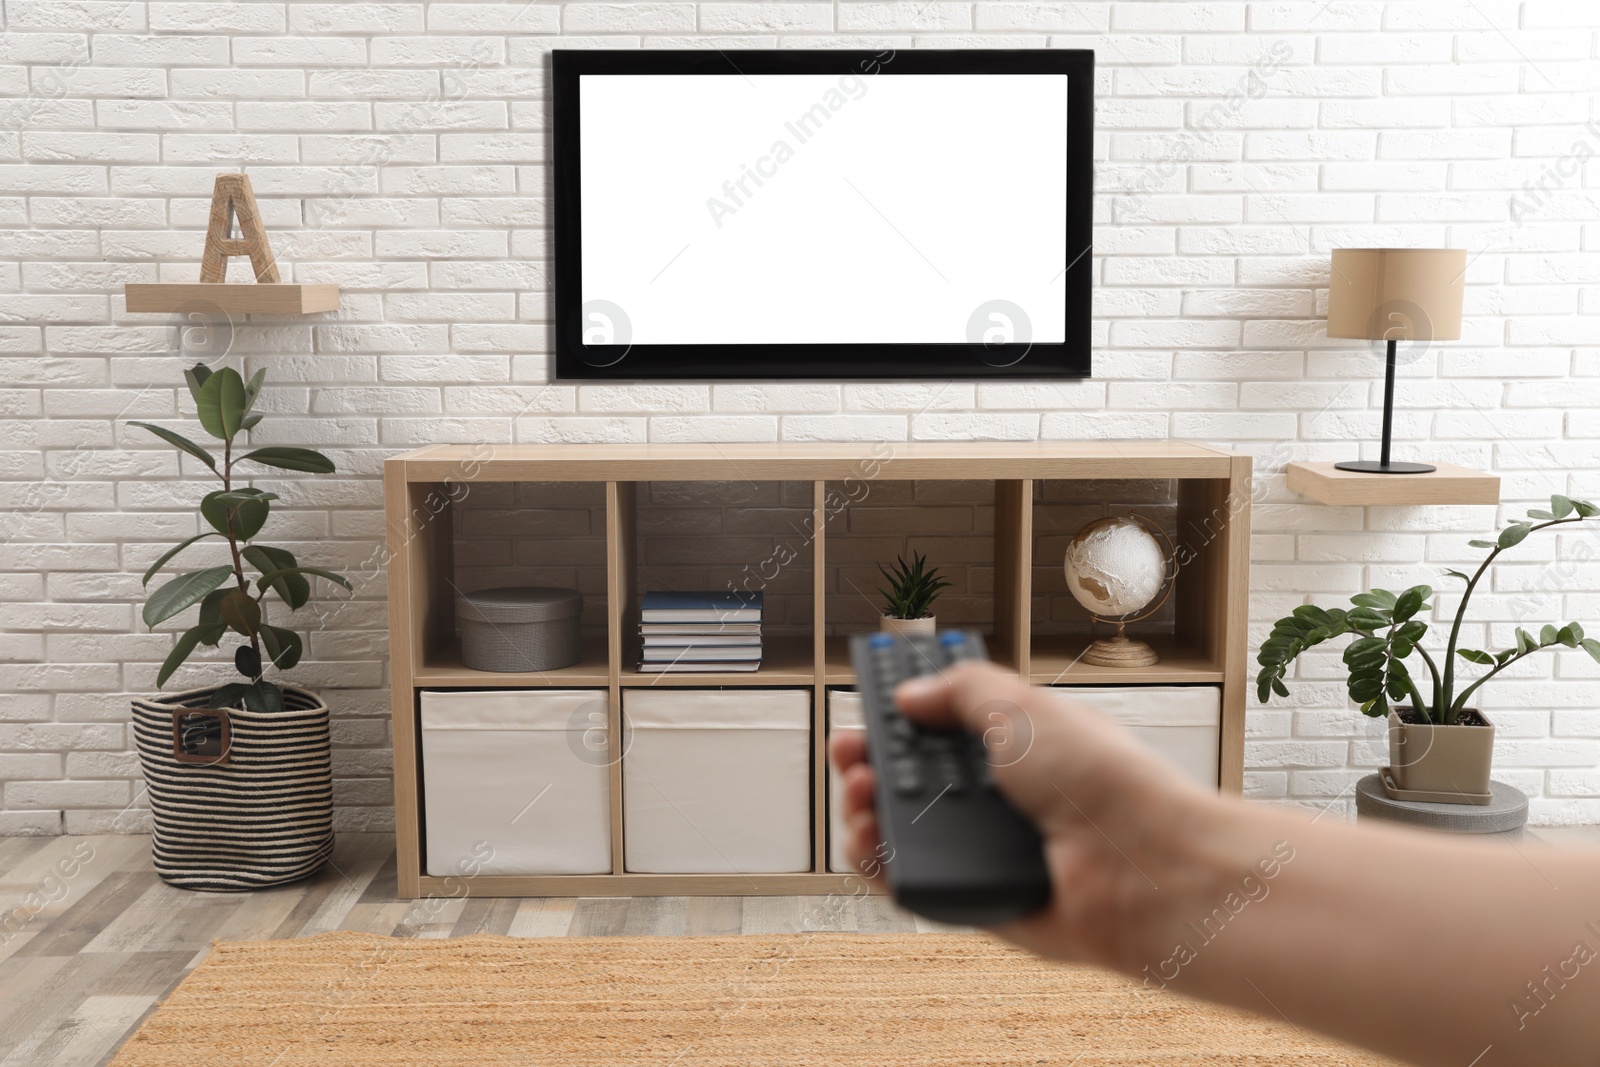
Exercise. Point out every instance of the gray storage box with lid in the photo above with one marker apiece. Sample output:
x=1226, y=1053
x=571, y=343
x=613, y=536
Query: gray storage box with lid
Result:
x=519, y=628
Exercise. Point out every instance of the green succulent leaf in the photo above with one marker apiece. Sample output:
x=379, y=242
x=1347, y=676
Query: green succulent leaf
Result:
x=1591, y=646
x=1539, y=513
x=1560, y=506
x=1479, y=543
x=292, y=459
x=1585, y=509
x=1378, y=599
x=1472, y=655
x=1525, y=641
x=179, y=441
x=1548, y=635
x=183, y=592
x=221, y=403
x=1513, y=535
x=1457, y=574
x=1410, y=602
x=166, y=557
x=1570, y=635
x=913, y=587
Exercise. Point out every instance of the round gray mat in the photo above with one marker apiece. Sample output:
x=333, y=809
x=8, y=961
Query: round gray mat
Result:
x=1505, y=814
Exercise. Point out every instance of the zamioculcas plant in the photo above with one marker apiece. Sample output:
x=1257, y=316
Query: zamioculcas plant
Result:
x=1387, y=632
x=231, y=600
x=912, y=588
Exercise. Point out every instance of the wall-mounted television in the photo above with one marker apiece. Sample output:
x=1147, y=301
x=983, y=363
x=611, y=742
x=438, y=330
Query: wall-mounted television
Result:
x=823, y=214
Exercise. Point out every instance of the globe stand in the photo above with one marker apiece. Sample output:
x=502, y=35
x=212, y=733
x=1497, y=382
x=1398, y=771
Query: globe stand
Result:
x=1120, y=651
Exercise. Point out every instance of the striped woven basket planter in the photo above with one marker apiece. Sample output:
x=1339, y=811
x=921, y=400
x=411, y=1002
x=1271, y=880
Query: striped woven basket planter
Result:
x=241, y=799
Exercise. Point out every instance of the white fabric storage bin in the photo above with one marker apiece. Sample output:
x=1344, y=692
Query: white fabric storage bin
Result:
x=1182, y=722
x=515, y=781
x=716, y=781
x=844, y=713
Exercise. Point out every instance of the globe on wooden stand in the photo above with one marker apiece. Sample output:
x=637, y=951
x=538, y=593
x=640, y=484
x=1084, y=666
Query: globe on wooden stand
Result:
x=1121, y=569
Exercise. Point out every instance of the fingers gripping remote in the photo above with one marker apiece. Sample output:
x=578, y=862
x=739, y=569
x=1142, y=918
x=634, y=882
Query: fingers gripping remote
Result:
x=954, y=849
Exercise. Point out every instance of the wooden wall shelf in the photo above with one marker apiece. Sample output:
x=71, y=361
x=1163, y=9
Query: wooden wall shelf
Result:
x=1209, y=494
x=248, y=298
x=1450, y=484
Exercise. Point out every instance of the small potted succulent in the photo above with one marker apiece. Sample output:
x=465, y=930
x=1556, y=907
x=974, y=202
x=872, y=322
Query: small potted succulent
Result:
x=1439, y=744
x=913, y=587
x=239, y=774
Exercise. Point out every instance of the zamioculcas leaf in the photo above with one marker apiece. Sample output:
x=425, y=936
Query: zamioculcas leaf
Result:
x=220, y=404
x=1457, y=574
x=1560, y=506
x=1472, y=655
x=180, y=652
x=1585, y=509
x=182, y=592
x=1479, y=543
x=1591, y=646
x=1539, y=513
x=1525, y=641
x=1548, y=635
x=166, y=557
x=1381, y=599
x=179, y=441
x=1409, y=603
x=241, y=612
x=196, y=377
x=292, y=459
x=1512, y=535
x=283, y=646
x=1570, y=635
x=267, y=579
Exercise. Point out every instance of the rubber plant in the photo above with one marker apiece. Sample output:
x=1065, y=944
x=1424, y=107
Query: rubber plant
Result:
x=913, y=587
x=1387, y=632
x=232, y=601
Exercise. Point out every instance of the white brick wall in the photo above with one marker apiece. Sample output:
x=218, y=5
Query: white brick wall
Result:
x=398, y=149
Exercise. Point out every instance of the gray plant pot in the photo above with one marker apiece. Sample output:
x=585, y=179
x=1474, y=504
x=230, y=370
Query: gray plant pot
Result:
x=1426, y=758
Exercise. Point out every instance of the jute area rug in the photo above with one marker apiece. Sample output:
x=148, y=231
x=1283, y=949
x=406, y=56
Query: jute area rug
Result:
x=354, y=1000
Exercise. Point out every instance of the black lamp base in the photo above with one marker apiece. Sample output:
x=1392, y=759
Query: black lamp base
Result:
x=1372, y=467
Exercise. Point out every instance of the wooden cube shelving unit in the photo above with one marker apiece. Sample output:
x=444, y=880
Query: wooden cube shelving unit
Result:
x=1209, y=494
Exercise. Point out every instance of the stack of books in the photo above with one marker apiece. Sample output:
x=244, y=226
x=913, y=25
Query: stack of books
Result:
x=700, y=632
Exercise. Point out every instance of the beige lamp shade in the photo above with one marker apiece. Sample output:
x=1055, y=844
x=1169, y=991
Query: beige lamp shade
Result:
x=1399, y=294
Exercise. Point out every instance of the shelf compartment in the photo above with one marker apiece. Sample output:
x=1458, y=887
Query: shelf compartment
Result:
x=442, y=668
x=250, y=298
x=1450, y=484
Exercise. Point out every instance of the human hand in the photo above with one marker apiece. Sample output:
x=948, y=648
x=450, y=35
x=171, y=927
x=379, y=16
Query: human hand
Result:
x=1112, y=814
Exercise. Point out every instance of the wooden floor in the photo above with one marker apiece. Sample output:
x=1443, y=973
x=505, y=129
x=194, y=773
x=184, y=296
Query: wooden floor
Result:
x=91, y=939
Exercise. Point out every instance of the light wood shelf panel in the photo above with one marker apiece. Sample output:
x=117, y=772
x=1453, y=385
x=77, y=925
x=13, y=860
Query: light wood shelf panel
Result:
x=1058, y=661
x=250, y=298
x=1450, y=484
x=806, y=883
x=442, y=667
x=1212, y=506
x=900, y=461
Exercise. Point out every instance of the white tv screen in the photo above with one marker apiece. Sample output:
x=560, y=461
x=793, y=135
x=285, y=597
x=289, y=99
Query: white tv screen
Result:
x=781, y=216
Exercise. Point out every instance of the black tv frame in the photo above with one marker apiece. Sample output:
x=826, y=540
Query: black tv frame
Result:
x=1070, y=358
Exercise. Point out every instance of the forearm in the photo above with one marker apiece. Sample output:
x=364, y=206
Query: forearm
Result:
x=1363, y=933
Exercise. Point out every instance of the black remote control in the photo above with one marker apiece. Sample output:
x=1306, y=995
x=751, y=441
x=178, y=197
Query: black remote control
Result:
x=956, y=850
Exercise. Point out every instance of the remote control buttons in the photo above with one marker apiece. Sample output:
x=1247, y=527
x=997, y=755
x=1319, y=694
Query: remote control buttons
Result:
x=881, y=641
x=905, y=776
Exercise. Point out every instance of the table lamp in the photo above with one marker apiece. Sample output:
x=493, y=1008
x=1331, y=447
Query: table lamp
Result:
x=1394, y=295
